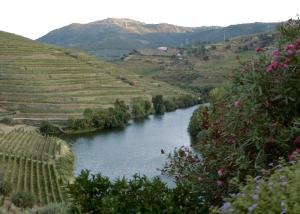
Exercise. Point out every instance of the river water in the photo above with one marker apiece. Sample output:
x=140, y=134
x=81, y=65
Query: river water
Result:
x=134, y=149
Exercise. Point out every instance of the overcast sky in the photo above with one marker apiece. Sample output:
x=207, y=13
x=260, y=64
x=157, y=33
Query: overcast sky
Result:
x=34, y=18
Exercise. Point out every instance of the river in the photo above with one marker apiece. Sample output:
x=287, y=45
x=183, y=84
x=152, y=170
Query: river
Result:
x=134, y=149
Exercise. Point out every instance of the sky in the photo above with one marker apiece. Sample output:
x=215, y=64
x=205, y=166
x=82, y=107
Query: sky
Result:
x=35, y=18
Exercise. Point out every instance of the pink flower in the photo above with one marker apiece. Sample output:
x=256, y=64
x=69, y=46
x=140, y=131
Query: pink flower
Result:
x=221, y=172
x=259, y=49
x=290, y=49
x=237, y=104
x=297, y=140
x=273, y=66
x=276, y=53
x=285, y=65
x=220, y=183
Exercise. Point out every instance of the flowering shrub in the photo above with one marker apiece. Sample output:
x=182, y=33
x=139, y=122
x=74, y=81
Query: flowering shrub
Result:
x=250, y=124
x=278, y=193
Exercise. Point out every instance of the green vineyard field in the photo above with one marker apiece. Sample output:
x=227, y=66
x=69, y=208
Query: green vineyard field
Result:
x=29, y=160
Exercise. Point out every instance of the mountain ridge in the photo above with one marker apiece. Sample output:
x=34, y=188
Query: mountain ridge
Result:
x=112, y=38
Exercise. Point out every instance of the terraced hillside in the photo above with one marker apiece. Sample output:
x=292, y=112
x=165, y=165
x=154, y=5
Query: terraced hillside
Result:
x=40, y=81
x=195, y=66
x=31, y=162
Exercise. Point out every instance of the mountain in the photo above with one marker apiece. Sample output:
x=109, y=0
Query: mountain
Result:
x=39, y=81
x=111, y=38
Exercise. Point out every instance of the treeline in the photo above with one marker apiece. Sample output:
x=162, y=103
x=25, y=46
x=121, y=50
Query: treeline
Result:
x=119, y=115
x=162, y=105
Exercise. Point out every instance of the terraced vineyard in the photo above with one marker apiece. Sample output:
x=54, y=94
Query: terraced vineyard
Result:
x=40, y=81
x=30, y=162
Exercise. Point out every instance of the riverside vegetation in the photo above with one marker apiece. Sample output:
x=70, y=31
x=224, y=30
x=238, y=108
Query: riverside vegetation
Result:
x=251, y=129
x=119, y=115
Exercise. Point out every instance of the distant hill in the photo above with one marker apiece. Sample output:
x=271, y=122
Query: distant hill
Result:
x=39, y=81
x=111, y=38
x=198, y=66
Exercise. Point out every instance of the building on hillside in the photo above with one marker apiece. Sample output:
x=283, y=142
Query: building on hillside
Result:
x=163, y=49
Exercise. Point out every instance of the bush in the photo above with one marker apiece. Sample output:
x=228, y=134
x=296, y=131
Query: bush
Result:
x=5, y=188
x=97, y=194
x=56, y=208
x=198, y=121
x=278, y=193
x=47, y=128
x=8, y=121
x=250, y=123
x=23, y=199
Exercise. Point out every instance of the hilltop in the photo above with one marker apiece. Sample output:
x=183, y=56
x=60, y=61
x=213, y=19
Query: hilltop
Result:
x=111, y=38
x=39, y=81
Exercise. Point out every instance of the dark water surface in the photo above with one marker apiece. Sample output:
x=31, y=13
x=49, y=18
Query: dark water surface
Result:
x=134, y=149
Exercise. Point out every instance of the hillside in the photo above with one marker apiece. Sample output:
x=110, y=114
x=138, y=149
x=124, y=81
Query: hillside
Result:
x=40, y=81
x=196, y=66
x=111, y=38
x=36, y=164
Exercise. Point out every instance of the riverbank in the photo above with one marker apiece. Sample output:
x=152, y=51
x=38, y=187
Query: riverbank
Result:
x=137, y=148
x=118, y=116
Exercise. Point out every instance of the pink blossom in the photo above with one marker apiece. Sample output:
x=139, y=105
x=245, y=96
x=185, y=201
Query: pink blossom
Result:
x=285, y=65
x=290, y=49
x=220, y=183
x=273, y=66
x=237, y=104
x=297, y=140
x=221, y=172
x=276, y=53
x=259, y=49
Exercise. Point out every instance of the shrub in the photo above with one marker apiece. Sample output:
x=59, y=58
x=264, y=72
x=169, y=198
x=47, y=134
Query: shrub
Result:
x=5, y=188
x=47, y=128
x=23, y=199
x=56, y=208
x=278, y=193
x=97, y=194
x=250, y=123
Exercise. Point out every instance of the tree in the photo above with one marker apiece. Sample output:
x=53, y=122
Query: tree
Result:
x=158, y=104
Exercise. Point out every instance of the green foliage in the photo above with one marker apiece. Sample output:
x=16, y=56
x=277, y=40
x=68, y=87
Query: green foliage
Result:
x=199, y=121
x=23, y=199
x=277, y=193
x=97, y=194
x=158, y=104
x=55, y=208
x=5, y=187
x=7, y=120
x=140, y=108
x=116, y=117
x=46, y=128
x=161, y=105
x=250, y=123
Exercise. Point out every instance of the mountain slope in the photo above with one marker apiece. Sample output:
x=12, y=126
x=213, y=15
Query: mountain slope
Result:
x=40, y=81
x=111, y=38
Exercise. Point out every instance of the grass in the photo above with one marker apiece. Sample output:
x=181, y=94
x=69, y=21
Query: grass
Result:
x=37, y=164
x=39, y=81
